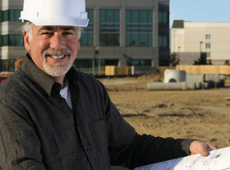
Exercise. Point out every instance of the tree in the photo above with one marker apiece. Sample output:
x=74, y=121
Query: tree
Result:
x=209, y=62
x=226, y=62
x=174, y=59
x=201, y=61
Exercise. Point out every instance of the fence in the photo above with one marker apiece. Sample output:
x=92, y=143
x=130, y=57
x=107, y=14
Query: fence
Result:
x=117, y=70
x=205, y=69
x=129, y=70
x=161, y=69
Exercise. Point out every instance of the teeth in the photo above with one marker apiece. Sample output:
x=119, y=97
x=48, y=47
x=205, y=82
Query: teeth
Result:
x=57, y=57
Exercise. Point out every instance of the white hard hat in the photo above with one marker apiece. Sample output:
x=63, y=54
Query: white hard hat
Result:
x=55, y=12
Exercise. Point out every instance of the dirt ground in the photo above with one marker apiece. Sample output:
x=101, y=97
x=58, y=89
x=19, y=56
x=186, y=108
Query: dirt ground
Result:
x=197, y=114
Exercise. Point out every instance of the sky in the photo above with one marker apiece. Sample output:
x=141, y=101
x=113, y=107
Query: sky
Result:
x=200, y=10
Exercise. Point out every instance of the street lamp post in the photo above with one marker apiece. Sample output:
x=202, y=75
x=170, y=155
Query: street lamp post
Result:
x=93, y=64
x=96, y=54
x=178, y=51
x=200, y=48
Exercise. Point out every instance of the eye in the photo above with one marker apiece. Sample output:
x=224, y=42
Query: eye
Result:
x=67, y=33
x=47, y=33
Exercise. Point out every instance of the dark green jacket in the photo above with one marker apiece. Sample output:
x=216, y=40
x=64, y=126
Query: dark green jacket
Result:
x=39, y=131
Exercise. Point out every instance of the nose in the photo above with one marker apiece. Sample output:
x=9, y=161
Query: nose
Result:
x=57, y=42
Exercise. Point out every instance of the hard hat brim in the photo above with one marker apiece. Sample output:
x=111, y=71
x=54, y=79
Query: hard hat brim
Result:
x=56, y=22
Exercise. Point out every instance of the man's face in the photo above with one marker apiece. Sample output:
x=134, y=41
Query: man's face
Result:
x=53, y=48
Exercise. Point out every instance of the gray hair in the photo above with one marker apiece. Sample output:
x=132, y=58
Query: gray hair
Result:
x=27, y=27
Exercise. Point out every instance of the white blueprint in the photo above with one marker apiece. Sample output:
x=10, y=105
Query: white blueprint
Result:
x=216, y=160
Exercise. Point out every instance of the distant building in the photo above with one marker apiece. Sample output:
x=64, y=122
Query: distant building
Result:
x=121, y=33
x=190, y=39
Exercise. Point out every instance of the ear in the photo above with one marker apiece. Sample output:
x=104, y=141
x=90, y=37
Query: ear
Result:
x=78, y=44
x=26, y=41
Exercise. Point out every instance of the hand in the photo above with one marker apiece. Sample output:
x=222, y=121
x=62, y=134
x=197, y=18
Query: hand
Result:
x=201, y=147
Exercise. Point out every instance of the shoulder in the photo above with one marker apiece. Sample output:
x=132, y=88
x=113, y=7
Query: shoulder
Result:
x=15, y=88
x=89, y=80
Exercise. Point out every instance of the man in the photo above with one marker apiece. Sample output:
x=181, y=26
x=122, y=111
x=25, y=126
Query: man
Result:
x=18, y=62
x=56, y=118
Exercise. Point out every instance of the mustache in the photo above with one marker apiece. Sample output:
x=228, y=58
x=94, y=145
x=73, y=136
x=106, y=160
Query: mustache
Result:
x=57, y=52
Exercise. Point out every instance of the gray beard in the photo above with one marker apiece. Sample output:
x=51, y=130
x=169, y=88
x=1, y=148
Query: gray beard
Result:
x=58, y=69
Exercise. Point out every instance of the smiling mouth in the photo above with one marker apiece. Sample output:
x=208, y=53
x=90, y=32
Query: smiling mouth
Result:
x=57, y=57
x=56, y=54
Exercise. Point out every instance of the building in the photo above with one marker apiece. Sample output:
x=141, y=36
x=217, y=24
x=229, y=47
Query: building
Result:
x=191, y=39
x=121, y=33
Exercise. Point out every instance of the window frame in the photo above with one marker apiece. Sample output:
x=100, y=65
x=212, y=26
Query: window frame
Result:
x=208, y=36
x=109, y=31
x=136, y=28
x=208, y=45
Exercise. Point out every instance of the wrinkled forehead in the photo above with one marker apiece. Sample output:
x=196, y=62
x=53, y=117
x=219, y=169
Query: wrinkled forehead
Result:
x=54, y=28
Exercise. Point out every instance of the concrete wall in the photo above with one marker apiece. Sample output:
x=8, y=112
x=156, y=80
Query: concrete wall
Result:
x=11, y=28
x=147, y=53
x=187, y=58
x=189, y=38
x=177, y=40
x=11, y=4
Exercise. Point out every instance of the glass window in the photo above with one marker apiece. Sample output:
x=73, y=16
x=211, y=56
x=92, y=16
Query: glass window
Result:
x=163, y=41
x=80, y=64
x=7, y=65
x=86, y=65
x=163, y=17
x=4, y=65
x=208, y=55
x=135, y=40
x=14, y=15
x=1, y=40
x=10, y=15
x=109, y=39
x=109, y=17
x=12, y=40
x=150, y=16
x=143, y=16
x=208, y=45
x=128, y=16
x=135, y=16
x=15, y=40
x=139, y=25
x=87, y=37
x=117, y=16
x=143, y=40
x=208, y=36
x=102, y=15
x=5, y=40
x=109, y=27
x=5, y=16
x=164, y=63
x=11, y=65
x=1, y=16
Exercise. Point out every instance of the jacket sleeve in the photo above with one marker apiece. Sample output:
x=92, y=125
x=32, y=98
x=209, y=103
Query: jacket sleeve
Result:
x=129, y=149
x=19, y=144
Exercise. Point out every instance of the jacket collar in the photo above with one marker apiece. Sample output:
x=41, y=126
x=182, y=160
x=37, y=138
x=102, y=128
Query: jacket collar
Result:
x=44, y=80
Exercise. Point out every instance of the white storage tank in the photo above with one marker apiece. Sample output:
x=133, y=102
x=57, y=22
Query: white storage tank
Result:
x=174, y=76
x=194, y=77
